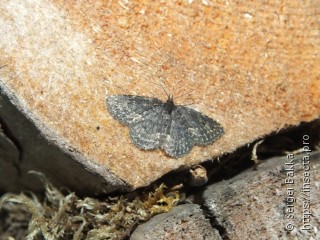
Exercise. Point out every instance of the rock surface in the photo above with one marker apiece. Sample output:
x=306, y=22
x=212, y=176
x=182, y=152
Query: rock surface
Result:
x=29, y=150
x=275, y=201
x=242, y=64
x=9, y=160
x=280, y=200
x=183, y=222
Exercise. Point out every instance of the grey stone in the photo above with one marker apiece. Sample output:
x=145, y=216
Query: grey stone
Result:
x=182, y=222
x=256, y=204
x=9, y=160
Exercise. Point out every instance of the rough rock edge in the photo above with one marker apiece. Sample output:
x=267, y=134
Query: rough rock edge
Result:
x=115, y=182
x=163, y=223
x=228, y=189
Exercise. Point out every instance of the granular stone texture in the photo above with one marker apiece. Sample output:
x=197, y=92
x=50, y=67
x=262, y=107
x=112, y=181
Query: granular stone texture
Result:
x=154, y=124
x=183, y=222
x=242, y=63
x=279, y=200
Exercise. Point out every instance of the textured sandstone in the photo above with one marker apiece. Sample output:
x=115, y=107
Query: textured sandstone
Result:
x=252, y=66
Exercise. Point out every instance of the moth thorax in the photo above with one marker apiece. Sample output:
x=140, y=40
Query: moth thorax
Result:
x=169, y=105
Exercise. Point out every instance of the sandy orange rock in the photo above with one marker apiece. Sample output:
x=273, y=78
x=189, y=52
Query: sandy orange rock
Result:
x=252, y=66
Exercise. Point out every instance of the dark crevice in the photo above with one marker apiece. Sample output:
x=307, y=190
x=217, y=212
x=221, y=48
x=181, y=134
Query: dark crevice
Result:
x=7, y=131
x=209, y=214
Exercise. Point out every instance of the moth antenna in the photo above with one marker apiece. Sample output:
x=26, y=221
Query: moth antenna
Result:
x=160, y=85
x=189, y=104
x=184, y=94
x=179, y=96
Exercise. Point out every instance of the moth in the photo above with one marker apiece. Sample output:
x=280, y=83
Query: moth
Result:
x=155, y=124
